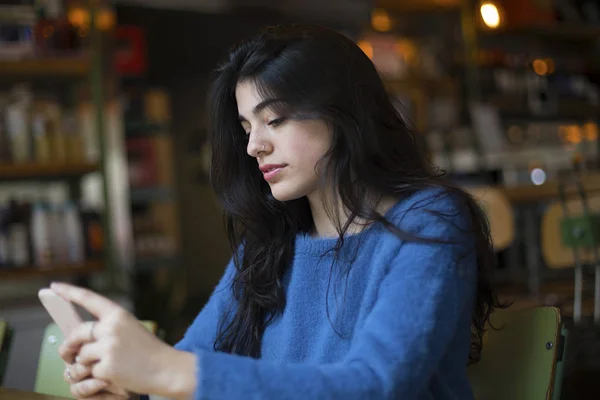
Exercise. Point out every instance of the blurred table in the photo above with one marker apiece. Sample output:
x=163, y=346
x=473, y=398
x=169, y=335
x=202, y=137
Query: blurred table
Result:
x=528, y=198
x=13, y=394
x=549, y=191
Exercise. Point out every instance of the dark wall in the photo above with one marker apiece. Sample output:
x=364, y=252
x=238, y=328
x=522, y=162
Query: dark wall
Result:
x=184, y=44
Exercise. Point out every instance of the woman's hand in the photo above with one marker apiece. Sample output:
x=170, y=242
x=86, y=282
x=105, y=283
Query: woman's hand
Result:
x=119, y=349
x=84, y=386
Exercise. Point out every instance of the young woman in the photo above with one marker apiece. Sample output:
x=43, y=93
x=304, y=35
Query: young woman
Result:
x=359, y=272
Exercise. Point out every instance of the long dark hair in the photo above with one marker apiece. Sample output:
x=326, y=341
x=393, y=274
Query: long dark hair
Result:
x=314, y=72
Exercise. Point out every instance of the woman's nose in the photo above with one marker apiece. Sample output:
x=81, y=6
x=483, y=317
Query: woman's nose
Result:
x=256, y=145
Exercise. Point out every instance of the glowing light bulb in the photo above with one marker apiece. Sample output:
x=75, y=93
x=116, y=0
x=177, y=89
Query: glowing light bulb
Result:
x=380, y=20
x=538, y=176
x=490, y=15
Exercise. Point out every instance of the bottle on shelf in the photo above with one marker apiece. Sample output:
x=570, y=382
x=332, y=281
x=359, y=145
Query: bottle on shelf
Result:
x=18, y=234
x=41, y=235
x=58, y=140
x=4, y=141
x=18, y=119
x=74, y=151
x=49, y=139
x=59, y=241
x=73, y=233
x=36, y=127
x=85, y=116
x=91, y=220
x=40, y=133
x=41, y=227
x=4, y=216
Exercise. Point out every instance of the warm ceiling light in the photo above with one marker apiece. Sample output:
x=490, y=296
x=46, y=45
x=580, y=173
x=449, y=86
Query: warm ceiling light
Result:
x=380, y=20
x=105, y=19
x=490, y=15
x=543, y=66
x=540, y=67
x=78, y=16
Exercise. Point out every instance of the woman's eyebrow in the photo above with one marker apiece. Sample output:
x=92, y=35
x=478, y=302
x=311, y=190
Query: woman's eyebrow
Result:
x=259, y=107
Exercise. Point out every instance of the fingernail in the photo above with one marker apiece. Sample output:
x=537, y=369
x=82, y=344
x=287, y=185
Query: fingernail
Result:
x=56, y=286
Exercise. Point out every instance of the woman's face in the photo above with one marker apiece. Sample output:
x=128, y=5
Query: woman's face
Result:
x=287, y=151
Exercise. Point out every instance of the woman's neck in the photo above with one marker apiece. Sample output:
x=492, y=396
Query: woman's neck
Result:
x=325, y=225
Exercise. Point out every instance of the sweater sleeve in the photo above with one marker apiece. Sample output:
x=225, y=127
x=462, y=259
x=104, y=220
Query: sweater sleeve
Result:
x=203, y=331
x=397, y=350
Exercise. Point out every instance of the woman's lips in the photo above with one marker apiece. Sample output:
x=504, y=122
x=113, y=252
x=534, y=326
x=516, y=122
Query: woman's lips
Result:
x=272, y=173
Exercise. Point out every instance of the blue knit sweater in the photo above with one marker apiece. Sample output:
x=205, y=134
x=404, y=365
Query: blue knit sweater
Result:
x=396, y=325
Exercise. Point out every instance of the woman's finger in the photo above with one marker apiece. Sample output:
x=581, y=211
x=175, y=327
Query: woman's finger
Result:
x=90, y=353
x=83, y=333
x=98, y=305
x=76, y=372
x=87, y=388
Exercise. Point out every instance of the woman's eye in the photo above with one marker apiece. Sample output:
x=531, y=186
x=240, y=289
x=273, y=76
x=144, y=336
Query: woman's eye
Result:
x=276, y=121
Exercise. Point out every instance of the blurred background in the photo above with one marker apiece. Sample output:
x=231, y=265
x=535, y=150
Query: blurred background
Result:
x=104, y=161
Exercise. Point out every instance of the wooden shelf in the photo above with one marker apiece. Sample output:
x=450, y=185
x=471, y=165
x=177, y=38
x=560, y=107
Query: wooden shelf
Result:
x=36, y=272
x=47, y=66
x=37, y=171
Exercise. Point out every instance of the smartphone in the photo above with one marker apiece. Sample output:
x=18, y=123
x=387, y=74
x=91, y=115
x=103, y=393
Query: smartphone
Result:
x=62, y=311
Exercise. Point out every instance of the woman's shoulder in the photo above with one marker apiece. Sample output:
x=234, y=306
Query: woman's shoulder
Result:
x=432, y=209
x=418, y=226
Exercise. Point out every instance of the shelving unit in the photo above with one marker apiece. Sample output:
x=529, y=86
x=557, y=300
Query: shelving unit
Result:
x=86, y=70
x=52, y=271
x=153, y=200
x=49, y=67
x=499, y=123
x=157, y=254
x=540, y=90
x=29, y=171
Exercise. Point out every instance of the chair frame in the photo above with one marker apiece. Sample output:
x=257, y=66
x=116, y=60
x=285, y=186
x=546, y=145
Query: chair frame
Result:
x=6, y=335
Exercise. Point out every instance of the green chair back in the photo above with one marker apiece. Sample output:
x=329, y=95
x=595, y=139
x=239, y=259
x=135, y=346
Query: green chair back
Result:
x=49, y=378
x=522, y=357
x=5, y=342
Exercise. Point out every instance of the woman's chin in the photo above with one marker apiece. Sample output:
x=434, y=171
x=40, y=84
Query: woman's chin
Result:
x=282, y=193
